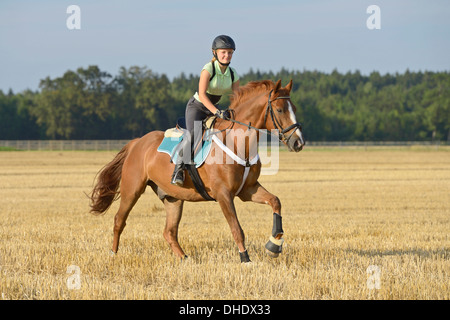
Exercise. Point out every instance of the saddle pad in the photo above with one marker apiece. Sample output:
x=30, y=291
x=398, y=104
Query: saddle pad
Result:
x=170, y=143
x=173, y=133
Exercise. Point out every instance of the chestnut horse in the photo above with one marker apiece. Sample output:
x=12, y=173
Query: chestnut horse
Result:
x=255, y=106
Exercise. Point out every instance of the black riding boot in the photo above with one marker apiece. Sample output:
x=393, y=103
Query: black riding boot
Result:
x=178, y=172
x=178, y=175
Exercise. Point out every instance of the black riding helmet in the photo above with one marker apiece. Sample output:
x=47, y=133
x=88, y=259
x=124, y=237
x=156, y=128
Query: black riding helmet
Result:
x=223, y=42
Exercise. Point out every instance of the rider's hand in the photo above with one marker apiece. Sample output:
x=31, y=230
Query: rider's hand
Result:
x=223, y=114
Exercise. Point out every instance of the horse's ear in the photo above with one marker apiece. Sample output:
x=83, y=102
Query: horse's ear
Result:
x=289, y=86
x=277, y=86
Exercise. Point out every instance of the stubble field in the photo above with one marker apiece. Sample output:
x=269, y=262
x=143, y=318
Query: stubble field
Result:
x=359, y=224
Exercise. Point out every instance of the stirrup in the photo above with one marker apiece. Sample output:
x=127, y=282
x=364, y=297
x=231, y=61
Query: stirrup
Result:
x=178, y=176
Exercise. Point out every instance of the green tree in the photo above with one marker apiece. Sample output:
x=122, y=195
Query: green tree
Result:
x=75, y=105
x=91, y=104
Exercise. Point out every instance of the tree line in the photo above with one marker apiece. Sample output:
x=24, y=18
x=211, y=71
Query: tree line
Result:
x=92, y=104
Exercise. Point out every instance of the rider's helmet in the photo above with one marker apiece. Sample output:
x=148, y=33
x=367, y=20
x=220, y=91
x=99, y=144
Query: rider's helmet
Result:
x=223, y=42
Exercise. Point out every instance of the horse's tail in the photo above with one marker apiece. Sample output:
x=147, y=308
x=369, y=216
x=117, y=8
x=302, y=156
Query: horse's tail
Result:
x=105, y=191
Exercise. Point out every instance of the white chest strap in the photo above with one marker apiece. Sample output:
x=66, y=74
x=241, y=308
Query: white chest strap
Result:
x=238, y=160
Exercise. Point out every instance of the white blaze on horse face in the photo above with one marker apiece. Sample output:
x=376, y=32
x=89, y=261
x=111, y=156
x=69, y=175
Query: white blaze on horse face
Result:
x=294, y=119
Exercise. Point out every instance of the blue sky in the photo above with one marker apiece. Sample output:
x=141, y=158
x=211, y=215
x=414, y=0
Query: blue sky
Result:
x=172, y=37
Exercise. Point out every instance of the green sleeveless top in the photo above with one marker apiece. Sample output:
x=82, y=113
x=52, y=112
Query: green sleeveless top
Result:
x=221, y=83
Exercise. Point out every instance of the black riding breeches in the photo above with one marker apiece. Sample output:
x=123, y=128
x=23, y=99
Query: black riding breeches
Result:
x=196, y=112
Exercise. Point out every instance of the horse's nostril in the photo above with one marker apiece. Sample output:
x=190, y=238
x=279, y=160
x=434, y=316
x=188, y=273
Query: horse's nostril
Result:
x=298, y=146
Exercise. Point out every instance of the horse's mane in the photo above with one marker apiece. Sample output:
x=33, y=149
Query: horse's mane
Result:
x=250, y=90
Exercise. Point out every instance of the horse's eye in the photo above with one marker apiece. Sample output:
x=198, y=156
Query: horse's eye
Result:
x=280, y=110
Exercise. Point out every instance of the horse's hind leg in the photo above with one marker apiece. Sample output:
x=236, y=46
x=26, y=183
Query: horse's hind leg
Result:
x=174, y=209
x=130, y=191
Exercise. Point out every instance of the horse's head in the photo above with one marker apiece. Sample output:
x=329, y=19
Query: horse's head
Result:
x=280, y=115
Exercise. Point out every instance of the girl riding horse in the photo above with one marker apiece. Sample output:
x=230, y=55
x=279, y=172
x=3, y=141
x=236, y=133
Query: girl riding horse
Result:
x=216, y=79
x=266, y=106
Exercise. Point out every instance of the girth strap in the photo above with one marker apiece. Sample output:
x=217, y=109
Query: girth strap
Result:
x=197, y=181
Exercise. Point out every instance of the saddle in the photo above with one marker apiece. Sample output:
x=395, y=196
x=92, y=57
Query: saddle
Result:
x=171, y=145
x=173, y=137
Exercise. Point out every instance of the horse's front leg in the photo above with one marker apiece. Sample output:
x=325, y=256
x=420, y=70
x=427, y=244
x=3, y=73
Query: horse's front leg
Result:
x=227, y=205
x=258, y=194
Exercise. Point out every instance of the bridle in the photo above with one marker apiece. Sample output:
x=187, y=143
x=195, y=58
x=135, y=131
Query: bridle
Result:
x=269, y=110
x=281, y=132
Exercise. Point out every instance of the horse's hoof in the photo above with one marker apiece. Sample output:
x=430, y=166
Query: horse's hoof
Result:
x=274, y=246
x=272, y=254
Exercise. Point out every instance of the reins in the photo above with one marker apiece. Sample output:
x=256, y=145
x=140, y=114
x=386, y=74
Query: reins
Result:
x=276, y=122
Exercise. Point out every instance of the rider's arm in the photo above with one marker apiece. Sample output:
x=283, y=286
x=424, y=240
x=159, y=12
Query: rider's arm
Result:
x=202, y=87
